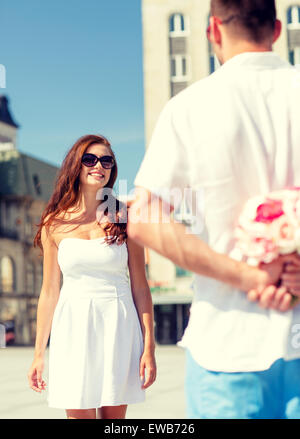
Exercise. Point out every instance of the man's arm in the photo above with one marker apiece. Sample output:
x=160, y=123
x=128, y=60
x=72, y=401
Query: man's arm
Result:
x=172, y=240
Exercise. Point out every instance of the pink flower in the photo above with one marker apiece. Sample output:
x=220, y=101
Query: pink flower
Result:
x=269, y=211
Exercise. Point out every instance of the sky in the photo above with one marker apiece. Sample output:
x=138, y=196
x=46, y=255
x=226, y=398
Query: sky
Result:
x=74, y=67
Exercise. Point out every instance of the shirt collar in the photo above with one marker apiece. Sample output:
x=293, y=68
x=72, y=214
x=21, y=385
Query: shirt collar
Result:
x=256, y=60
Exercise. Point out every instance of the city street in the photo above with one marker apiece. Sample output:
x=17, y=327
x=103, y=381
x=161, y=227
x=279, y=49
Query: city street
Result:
x=164, y=399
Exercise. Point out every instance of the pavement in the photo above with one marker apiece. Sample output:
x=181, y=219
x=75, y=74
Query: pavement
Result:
x=164, y=399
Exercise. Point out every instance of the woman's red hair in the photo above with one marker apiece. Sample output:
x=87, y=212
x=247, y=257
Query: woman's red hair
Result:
x=66, y=191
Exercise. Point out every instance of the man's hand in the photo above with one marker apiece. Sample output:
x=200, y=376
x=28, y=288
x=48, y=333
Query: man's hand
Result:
x=284, y=275
x=274, y=270
x=290, y=278
x=272, y=297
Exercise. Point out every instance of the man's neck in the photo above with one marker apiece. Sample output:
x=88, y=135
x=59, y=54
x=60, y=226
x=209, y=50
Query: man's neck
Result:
x=245, y=47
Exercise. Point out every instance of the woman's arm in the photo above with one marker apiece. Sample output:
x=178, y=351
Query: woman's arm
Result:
x=143, y=302
x=46, y=305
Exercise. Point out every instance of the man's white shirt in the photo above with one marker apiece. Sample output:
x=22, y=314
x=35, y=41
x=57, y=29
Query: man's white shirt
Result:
x=229, y=137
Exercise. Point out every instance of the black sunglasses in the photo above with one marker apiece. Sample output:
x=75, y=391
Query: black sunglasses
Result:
x=107, y=161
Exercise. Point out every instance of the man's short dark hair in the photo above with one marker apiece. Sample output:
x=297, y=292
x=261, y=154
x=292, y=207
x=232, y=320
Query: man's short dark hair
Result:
x=255, y=19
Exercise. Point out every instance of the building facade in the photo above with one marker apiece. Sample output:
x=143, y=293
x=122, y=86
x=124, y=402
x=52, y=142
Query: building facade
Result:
x=25, y=188
x=176, y=54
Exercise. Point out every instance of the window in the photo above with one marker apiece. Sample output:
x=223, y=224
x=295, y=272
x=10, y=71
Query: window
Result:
x=293, y=17
x=28, y=225
x=30, y=278
x=37, y=184
x=212, y=62
x=177, y=25
x=179, y=68
x=178, y=48
x=7, y=275
x=293, y=27
x=8, y=212
x=294, y=56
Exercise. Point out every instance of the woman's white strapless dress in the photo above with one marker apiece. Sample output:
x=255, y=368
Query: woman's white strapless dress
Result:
x=96, y=339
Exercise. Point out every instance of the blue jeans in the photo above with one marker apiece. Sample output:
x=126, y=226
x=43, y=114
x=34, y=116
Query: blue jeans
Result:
x=268, y=394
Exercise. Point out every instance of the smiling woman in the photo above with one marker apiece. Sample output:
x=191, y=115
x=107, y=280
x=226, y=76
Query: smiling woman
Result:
x=78, y=166
x=100, y=321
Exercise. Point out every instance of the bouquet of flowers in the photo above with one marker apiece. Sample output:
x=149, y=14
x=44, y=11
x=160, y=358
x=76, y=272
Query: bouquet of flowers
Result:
x=268, y=226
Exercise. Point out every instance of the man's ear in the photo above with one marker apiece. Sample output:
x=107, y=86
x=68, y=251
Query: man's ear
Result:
x=277, y=30
x=215, y=31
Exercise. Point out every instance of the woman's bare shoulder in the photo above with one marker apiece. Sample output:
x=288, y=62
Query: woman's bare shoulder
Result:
x=53, y=230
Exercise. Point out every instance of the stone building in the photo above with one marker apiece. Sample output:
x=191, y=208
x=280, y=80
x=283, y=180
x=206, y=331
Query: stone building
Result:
x=25, y=187
x=176, y=54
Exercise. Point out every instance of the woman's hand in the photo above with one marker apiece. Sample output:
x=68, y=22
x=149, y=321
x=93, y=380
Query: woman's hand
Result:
x=148, y=365
x=34, y=375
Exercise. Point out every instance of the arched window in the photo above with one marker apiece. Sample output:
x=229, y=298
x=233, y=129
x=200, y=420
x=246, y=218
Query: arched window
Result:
x=7, y=275
x=177, y=24
x=293, y=28
x=293, y=16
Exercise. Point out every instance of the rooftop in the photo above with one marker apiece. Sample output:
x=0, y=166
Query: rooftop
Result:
x=22, y=175
x=5, y=115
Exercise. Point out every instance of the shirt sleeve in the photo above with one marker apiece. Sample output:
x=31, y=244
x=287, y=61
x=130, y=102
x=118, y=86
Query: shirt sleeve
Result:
x=165, y=168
